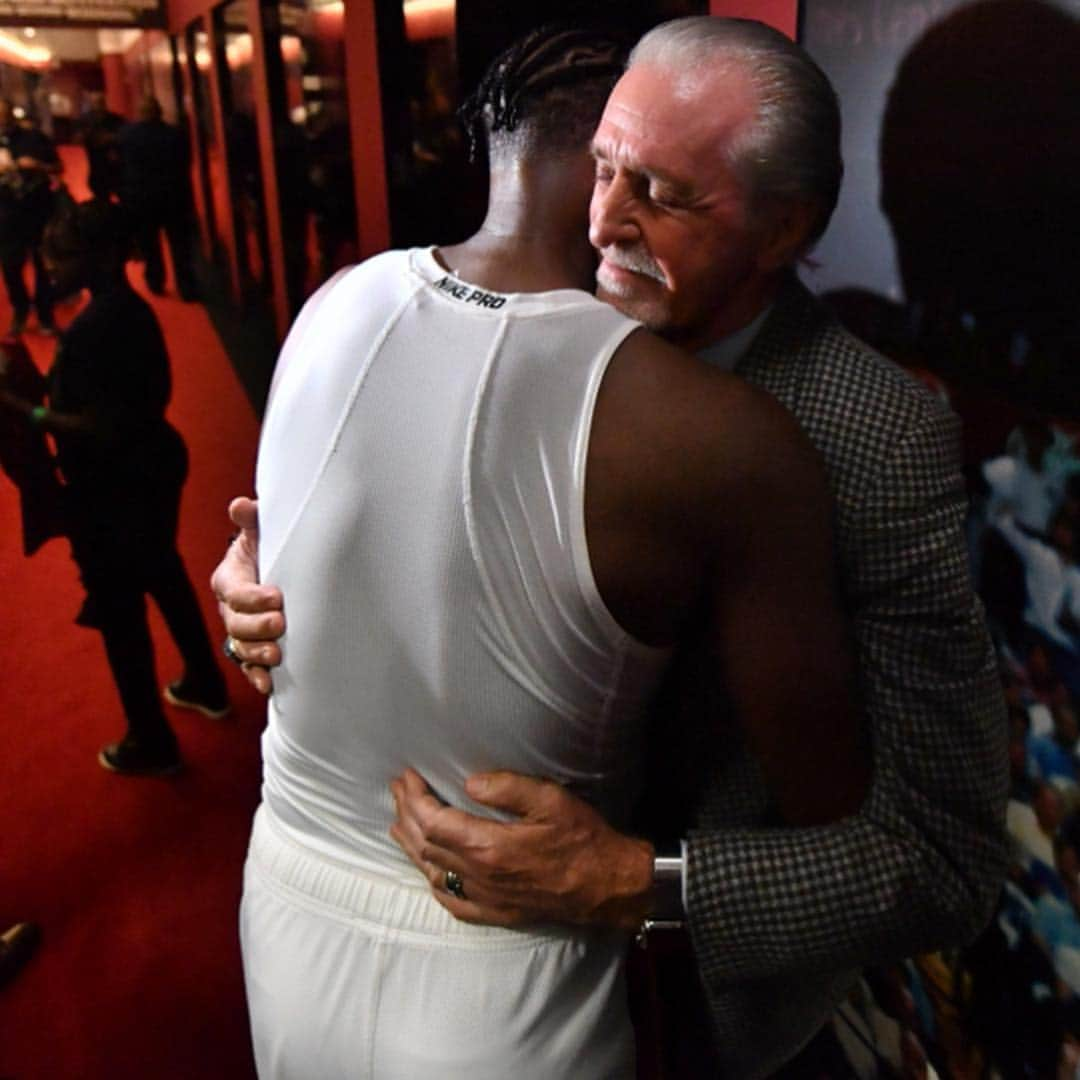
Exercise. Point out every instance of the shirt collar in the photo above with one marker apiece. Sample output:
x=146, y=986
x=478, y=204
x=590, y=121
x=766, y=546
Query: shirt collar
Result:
x=728, y=351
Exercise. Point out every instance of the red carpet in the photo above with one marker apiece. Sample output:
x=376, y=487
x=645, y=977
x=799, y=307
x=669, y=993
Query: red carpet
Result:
x=135, y=882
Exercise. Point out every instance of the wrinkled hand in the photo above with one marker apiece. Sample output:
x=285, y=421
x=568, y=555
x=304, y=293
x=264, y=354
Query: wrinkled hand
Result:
x=253, y=613
x=559, y=862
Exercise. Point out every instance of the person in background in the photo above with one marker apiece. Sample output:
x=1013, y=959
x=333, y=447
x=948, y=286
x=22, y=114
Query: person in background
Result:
x=1052, y=757
x=99, y=130
x=1052, y=579
x=1033, y=827
x=28, y=164
x=155, y=192
x=123, y=465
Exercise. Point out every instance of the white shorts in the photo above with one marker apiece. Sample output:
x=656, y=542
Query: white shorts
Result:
x=349, y=975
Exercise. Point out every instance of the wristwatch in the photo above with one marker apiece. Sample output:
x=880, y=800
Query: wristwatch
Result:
x=668, y=872
x=668, y=911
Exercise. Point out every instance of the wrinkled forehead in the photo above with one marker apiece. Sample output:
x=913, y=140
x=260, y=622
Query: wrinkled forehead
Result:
x=675, y=120
x=646, y=103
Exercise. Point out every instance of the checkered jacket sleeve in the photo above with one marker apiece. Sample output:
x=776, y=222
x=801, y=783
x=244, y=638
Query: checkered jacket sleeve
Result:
x=920, y=865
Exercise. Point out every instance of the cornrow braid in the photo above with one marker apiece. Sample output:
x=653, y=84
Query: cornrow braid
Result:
x=579, y=66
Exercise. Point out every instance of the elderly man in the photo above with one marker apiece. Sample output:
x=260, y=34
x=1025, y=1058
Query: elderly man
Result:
x=717, y=164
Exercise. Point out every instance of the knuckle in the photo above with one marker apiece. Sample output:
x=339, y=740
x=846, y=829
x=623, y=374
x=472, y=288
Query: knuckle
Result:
x=488, y=859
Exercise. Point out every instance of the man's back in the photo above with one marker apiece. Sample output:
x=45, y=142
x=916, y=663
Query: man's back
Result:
x=429, y=527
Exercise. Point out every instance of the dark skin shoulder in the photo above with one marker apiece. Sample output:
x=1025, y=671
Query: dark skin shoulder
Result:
x=708, y=520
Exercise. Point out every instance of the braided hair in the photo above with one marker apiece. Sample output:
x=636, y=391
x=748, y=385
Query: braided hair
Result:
x=545, y=91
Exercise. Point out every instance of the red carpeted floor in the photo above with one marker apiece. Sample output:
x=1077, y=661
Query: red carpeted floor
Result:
x=135, y=882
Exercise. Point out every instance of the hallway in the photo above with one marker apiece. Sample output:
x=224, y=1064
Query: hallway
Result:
x=134, y=882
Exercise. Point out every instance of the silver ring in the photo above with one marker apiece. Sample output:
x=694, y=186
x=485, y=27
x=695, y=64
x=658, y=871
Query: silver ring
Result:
x=454, y=885
x=228, y=647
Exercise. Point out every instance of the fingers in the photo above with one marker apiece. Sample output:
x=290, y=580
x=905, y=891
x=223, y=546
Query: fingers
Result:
x=260, y=627
x=432, y=833
x=244, y=513
x=251, y=612
x=471, y=908
x=524, y=796
x=257, y=652
x=235, y=581
x=259, y=677
x=433, y=868
x=417, y=810
x=439, y=825
x=422, y=824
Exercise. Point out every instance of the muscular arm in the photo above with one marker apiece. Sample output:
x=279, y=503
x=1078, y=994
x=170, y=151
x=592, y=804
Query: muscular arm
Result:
x=922, y=862
x=709, y=522
x=777, y=640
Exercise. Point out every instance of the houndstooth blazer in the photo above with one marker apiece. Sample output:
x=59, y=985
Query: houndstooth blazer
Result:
x=781, y=918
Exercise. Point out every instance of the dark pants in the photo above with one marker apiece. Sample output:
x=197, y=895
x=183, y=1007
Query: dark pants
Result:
x=123, y=538
x=148, y=228
x=121, y=617
x=667, y=1003
x=12, y=262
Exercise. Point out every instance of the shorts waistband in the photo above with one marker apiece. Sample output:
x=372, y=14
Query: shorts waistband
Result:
x=384, y=905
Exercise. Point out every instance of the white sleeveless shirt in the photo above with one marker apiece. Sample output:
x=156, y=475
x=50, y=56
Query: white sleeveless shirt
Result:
x=421, y=483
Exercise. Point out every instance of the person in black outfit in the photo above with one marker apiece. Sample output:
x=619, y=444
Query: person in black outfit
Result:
x=156, y=193
x=28, y=162
x=123, y=465
x=99, y=130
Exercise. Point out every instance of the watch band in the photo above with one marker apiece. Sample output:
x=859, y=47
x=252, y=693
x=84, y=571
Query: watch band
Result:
x=668, y=872
x=668, y=912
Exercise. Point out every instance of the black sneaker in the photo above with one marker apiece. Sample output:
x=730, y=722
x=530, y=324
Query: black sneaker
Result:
x=132, y=758
x=17, y=945
x=185, y=695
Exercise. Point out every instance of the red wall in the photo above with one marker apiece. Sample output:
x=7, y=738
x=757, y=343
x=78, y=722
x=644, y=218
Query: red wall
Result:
x=783, y=14
x=180, y=12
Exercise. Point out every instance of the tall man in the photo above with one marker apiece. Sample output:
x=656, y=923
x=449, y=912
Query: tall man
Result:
x=721, y=137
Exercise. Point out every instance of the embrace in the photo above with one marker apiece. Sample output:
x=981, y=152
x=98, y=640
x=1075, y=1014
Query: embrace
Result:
x=602, y=477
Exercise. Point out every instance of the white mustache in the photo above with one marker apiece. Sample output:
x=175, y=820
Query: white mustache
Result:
x=636, y=259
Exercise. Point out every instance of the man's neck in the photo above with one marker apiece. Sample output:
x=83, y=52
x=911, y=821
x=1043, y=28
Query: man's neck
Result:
x=726, y=352
x=534, y=237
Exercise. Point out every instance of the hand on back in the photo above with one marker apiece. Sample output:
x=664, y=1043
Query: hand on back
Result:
x=253, y=613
